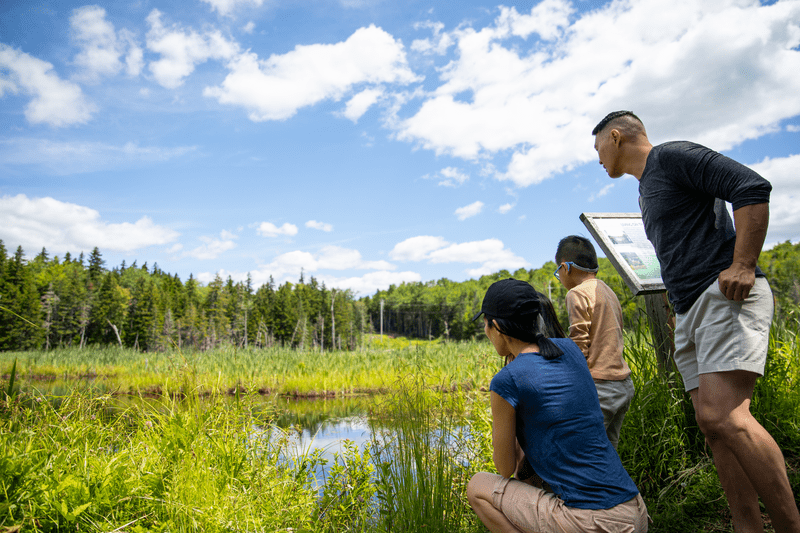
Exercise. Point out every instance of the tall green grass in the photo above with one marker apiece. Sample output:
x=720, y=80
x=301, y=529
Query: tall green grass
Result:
x=208, y=463
x=273, y=370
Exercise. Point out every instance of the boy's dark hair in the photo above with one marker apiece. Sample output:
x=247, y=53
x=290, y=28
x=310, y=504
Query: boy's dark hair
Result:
x=578, y=250
x=614, y=116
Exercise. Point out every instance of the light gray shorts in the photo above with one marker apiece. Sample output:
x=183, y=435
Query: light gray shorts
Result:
x=533, y=510
x=720, y=335
x=615, y=399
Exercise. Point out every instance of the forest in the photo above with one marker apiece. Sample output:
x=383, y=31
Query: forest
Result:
x=77, y=301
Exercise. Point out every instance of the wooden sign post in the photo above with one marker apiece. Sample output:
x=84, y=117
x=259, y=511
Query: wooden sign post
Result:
x=622, y=238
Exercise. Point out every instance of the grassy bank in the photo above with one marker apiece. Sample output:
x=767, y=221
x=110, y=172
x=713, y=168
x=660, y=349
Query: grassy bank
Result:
x=196, y=462
x=377, y=367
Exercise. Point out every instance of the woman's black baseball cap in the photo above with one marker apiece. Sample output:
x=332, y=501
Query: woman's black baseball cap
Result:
x=508, y=298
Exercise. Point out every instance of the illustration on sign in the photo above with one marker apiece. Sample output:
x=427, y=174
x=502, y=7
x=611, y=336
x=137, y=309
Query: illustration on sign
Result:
x=624, y=241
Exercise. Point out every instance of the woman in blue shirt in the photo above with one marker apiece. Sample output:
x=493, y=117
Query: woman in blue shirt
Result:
x=546, y=418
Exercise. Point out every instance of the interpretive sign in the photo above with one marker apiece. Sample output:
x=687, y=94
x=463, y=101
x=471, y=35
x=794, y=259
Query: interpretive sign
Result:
x=622, y=238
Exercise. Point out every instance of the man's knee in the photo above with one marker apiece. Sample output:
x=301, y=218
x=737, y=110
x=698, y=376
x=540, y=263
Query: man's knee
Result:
x=718, y=425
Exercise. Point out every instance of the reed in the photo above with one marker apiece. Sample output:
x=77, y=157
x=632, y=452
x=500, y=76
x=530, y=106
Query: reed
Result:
x=273, y=370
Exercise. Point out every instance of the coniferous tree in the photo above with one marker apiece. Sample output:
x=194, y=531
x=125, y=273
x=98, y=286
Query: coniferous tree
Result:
x=22, y=329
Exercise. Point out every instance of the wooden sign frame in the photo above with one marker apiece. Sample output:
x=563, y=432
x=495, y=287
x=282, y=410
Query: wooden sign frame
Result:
x=623, y=240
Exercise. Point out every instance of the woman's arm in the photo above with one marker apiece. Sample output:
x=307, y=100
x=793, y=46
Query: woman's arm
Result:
x=504, y=439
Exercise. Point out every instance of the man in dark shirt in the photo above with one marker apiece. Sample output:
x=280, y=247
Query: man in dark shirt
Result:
x=722, y=301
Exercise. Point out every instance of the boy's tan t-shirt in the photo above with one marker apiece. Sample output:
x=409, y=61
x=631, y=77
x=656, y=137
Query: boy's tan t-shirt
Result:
x=595, y=324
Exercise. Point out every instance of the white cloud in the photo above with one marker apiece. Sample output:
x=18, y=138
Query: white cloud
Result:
x=322, y=226
x=100, y=46
x=371, y=282
x=452, y=177
x=784, y=204
x=268, y=229
x=212, y=247
x=360, y=103
x=491, y=253
x=225, y=7
x=438, y=44
x=792, y=128
x=288, y=266
x=602, y=192
x=547, y=19
x=470, y=210
x=54, y=101
x=711, y=60
x=60, y=227
x=249, y=27
x=505, y=208
x=181, y=50
x=71, y=157
x=275, y=88
x=338, y=258
x=417, y=248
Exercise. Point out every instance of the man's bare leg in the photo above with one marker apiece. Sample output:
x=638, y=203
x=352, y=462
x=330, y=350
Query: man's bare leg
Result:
x=747, y=458
x=479, y=494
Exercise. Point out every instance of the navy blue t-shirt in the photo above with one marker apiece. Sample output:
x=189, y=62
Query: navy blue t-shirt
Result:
x=682, y=194
x=560, y=428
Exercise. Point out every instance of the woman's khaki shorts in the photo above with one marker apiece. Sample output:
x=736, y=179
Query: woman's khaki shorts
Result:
x=534, y=510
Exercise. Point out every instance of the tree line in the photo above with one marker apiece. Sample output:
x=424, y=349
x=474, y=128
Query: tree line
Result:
x=76, y=302
x=444, y=309
x=58, y=302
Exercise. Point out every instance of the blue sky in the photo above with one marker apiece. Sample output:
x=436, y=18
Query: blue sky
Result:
x=368, y=142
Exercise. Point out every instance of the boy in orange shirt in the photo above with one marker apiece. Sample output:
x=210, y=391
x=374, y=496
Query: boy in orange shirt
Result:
x=595, y=325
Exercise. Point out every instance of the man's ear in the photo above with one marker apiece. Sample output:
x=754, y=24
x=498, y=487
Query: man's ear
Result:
x=616, y=136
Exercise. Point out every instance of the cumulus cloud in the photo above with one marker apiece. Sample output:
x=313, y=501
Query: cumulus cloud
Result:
x=491, y=253
x=470, y=210
x=450, y=177
x=437, y=44
x=505, y=208
x=60, y=227
x=712, y=61
x=371, y=282
x=275, y=88
x=212, y=247
x=101, y=47
x=360, y=103
x=602, y=192
x=182, y=50
x=784, y=219
x=322, y=226
x=71, y=157
x=53, y=101
x=417, y=248
x=268, y=229
x=288, y=267
x=226, y=7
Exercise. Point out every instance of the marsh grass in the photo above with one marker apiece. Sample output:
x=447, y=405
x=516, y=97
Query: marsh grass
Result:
x=269, y=371
x=425, y=452
x=191, y=461
x=193, y=465
x=663, y=449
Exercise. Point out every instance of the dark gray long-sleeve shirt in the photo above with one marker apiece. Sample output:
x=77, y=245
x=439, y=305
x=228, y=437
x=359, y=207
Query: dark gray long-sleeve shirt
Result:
x=682, y=194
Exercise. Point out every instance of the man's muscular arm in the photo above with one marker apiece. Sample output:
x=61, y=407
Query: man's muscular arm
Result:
x=751, y=223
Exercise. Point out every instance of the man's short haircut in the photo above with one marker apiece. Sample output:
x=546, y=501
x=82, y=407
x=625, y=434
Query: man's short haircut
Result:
x=578, y=250
x=628, y=123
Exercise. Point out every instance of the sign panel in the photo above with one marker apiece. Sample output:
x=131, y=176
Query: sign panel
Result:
x=623, y=240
